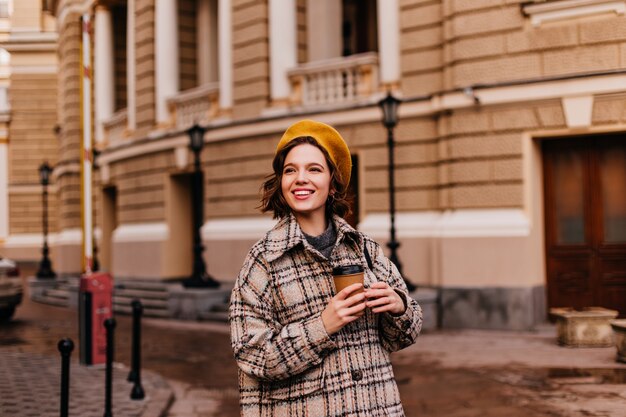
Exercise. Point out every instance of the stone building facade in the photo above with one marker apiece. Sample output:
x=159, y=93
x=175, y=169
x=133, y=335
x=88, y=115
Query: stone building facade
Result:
x=510, y=151
x=4, y=123
x=28, y=115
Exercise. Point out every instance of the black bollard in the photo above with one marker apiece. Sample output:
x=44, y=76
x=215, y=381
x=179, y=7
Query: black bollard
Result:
x=66, y=346
x=134, y=375
x=109, y=324
x=134, y=351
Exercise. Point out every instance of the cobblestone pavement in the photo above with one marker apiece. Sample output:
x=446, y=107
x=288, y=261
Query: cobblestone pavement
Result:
x=193, y=360
x=448, y=373
x=29, y=387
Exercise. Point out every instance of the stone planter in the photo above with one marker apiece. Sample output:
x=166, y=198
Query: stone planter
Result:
x=589, y=327
x=619, y=327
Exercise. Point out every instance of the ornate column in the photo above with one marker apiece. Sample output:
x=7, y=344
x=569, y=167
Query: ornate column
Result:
x=283, y=47
x=131, y=95
x=4, y=161
x=104, y=69
x=389, y=41
x=325, y=41
x=225, y=70
x=166, y=56
x=4, y=186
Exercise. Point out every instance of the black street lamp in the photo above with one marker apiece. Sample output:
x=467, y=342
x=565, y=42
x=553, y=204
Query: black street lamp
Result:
x=45, y=266
x=199, y=277
x=389, y=106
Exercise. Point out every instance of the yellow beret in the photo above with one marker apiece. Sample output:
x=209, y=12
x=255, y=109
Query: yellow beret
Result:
x=327, y=137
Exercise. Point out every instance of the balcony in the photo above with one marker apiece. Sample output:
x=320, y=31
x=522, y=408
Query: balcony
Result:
x=196, y=105
x=116, y=127
x=337, y=81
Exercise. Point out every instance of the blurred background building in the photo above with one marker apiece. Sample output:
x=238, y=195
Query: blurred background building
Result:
x=28, y=114
x=510, y=151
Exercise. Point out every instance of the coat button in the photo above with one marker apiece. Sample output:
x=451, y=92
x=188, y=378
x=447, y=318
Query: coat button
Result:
x=357, y=375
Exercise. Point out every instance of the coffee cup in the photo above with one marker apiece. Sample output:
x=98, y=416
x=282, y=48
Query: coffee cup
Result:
x=346, y=275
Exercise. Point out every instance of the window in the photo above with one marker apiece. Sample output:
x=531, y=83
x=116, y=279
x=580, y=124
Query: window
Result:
x=4, y=9
x=198, y=47
x=119, y=17
x=359, y=27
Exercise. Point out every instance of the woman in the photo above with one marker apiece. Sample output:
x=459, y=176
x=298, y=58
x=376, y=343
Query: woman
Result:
x=303, y=350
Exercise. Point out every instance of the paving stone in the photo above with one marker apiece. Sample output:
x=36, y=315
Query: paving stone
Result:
x=181, y=407
x=445, y=369
x=35, y=391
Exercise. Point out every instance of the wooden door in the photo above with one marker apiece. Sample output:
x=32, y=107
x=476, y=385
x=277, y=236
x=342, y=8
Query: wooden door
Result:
x=585, y=220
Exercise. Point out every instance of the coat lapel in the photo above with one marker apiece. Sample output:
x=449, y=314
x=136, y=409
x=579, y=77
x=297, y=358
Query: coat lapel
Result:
x=286, y=234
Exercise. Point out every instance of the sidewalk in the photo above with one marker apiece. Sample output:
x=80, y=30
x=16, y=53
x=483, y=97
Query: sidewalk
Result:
x=534, y=349
x=472, y=372
x=189, y=371
x=30, y=386
x=507, y=373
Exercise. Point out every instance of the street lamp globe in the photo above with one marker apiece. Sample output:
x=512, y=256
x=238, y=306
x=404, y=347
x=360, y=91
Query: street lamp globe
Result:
x=196, y=137
x=44, y=173
x=389, y=105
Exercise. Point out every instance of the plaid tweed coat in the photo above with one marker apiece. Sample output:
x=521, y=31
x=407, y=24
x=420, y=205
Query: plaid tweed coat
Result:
x=288, y=364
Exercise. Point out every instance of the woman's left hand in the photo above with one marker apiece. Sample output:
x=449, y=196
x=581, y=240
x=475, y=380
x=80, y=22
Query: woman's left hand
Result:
x=382, y=298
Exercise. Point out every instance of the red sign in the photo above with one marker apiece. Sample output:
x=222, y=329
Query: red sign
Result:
x=97, y=287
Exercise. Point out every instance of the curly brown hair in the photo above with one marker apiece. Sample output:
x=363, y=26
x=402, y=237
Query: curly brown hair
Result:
x=272, y=198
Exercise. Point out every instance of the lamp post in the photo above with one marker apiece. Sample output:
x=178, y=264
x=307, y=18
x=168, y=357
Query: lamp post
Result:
x=45, y=266
x=389, y=106
x=199, y=277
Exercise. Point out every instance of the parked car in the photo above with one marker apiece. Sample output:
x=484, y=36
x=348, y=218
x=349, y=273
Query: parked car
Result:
x=10, y=288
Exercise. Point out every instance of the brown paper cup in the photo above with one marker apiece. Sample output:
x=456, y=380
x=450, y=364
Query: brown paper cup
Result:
x=342, y=281
x=348, y=275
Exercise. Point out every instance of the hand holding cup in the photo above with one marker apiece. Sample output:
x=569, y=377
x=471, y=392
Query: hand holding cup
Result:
x=382, y=298
x=344, y=308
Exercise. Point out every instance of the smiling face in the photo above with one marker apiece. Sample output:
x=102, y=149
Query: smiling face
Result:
x=305, y=182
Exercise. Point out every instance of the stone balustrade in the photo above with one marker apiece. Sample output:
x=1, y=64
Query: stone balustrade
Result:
x=116, y=127
x=196, y=105
x=336, y=81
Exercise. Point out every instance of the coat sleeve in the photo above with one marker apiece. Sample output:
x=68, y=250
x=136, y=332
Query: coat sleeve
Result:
x=396, y=331
x=264, y=349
